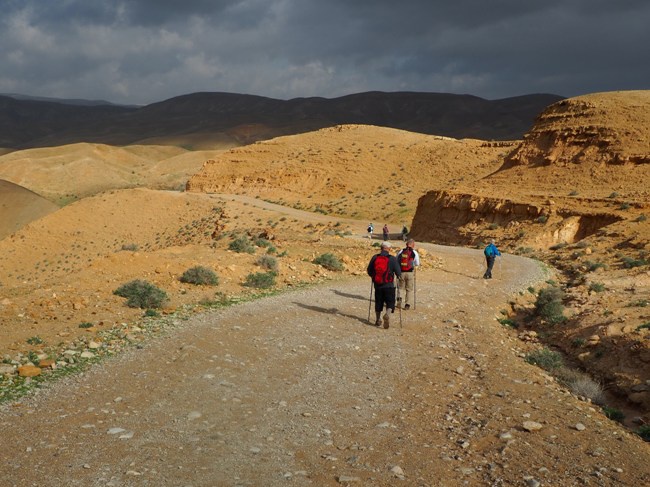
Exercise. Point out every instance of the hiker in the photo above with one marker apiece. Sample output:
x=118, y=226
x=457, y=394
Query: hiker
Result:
x=385, y=232
x=371, y=228
x=405, y=232
x=491, y=253
x=408, y=259
x=383, y=268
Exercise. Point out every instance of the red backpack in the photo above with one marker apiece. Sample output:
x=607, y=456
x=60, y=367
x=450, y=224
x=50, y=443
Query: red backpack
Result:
x=382, y=274
x=406, y=259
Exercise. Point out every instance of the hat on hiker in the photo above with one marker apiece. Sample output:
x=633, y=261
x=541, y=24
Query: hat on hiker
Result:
x=386, y=245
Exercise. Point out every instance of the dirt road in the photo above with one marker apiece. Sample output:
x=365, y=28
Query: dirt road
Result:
x=298, y=389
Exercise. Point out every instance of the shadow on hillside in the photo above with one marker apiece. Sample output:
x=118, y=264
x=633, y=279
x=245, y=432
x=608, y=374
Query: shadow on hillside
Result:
x=333, y=311
x=346, y=295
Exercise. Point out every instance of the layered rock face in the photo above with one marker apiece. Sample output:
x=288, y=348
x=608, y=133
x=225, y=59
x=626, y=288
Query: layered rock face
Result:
x=605, y=128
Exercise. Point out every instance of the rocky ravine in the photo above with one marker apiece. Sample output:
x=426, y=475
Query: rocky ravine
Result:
x=298, y=389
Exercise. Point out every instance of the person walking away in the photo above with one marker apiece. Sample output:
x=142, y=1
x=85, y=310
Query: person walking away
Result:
x=371, y=228
x=385, y=232
x=405, y=232
x=491, y=253
x=383, y=268
x=408, y=259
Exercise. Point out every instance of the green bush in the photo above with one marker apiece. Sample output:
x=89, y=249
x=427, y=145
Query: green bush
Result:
x=641, y=218
x=242, y=245
x=629, y=262
x=644, y=432
x=597, y=287
x=200, y=275
x=329, y=261
x=545, y=359
x=85, y=324
x=141, y=294
x=614, y=414
x=548, y=304
x=131, y=247
x=35, y=340
x=261, y=280
x=267, y=262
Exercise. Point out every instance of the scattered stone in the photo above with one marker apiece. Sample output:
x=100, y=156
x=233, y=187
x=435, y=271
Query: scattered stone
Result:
x=397, y=472
x=532, y=482
x=7, y=369
x=346, y=479
x=580, y=427
x=532, y=426
x=29, y=371
x=194, y=415
x=114, y=431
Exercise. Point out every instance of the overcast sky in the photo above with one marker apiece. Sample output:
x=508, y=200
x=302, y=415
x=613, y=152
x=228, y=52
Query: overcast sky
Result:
x=143, y=51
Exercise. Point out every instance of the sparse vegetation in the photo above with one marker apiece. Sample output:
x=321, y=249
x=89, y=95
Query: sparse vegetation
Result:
x=545, y=359
x=35, y=340
x=241, y=245
x=542, y=219
x=630, y=262
x=641, y=218
x=267, y=262
x=85, y=324
x=141, y=294
x=260, y=280
x=549, y=304
x=614, y=414
x=329, y=261
x=508, y=322
x=597, y=287
x=200, y=276
x=644, y=432
x=592, y=266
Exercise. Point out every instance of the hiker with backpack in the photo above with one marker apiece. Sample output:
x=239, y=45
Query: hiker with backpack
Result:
x=383, y=268
x=408, y=259
x=491, y=252
x=371, y=228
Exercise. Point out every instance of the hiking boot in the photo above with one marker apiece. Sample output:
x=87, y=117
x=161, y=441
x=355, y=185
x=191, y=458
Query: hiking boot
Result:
x=407, y=306
x=386, y=320
x=378, y=322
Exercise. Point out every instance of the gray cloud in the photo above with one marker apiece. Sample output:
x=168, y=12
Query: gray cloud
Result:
x=141, y=51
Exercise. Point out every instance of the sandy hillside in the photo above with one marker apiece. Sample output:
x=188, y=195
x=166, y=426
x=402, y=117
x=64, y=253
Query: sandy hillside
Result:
x=67, y=173
x=358, y=171
x=19, y=206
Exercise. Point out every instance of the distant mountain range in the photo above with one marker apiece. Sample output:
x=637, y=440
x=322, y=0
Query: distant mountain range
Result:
x=27, y=122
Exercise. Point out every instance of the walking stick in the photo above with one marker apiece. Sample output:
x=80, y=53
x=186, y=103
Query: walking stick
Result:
x=415, y=287
x=400, y=307
x=370, y=301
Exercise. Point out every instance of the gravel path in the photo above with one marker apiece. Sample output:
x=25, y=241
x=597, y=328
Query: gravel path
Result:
x=298, y=389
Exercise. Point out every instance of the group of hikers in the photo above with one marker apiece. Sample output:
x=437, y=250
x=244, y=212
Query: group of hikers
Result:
x=385, y=270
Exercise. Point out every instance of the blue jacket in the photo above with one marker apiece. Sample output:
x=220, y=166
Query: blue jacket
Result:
x=491, y=250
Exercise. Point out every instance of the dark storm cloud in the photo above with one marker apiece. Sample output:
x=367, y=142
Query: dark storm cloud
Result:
x=143, y=51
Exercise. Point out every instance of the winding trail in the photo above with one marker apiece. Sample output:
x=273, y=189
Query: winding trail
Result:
x=298, y=389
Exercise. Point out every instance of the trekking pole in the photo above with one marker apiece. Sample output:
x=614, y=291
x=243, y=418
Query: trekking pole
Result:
x=415, y=287
x=370, y=301
x=400, y=308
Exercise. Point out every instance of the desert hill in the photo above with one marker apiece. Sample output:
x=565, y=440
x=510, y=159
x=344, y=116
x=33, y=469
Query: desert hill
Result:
x=358, y=171
x=582, y=210
x=573, y=193
x=234, y=119
x=19, y=206
x=70, y=172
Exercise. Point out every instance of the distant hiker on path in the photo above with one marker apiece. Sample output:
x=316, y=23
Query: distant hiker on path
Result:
x=405, y=232
x=371, y=228
x=491, y=253
x=383, y=268
x=408, y=259
x=385, y=232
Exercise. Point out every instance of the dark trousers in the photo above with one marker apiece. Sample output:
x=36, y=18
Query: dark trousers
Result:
x=490, y=264
x=384, y=296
